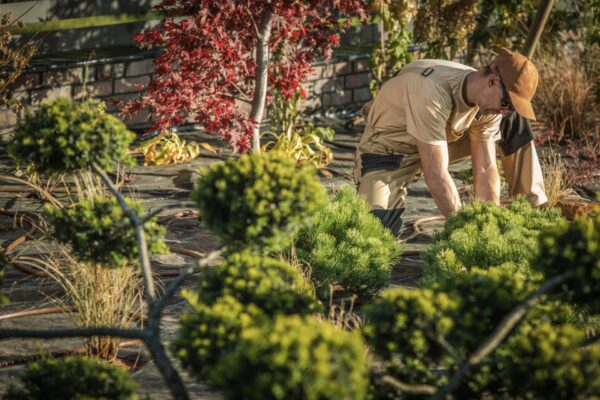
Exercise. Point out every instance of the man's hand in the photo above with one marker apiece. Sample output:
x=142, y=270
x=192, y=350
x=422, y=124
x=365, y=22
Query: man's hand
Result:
x=485, y=171
x=434, y=161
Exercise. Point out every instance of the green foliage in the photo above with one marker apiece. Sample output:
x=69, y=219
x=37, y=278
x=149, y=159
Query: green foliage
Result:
x=272, y=285
x=574, y=247
x=551, y=359
x=403, y=327
x=294, y=358
x=63, y=136
x=73, y=378
x=210, y=331
x=347, y=246
x=485, y=235
x=100, y=232
x=258, y=200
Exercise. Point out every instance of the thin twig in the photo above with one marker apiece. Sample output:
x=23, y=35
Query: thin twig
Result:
x=406, y=388
x=72, y=332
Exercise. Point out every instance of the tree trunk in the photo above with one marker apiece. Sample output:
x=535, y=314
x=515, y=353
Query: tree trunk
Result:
x=537, y=27
x=262, y=67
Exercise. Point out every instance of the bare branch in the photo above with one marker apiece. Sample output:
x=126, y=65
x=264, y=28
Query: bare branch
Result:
x=157, y=308
x=252, y=19
x=72, y=332
x=140, y=235
x=406, y=388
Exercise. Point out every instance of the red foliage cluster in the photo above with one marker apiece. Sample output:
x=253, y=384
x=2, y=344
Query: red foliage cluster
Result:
x=207, y=69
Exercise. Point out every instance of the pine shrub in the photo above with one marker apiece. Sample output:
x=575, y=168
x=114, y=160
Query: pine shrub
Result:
x=546, y=361
x=63, y=136
x=210, y=331
x=74, y=377
x=347, y=246
x=402, y=327
x=272, y=285
x=99, y=231
x=258, y=200
x=575, y=247
x=485, y=235
x=294, y=358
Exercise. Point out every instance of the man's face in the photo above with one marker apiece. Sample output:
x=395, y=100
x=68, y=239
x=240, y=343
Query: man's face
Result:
x=495, y=98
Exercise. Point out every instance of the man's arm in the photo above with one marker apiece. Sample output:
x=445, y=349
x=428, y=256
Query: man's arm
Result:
x=434, y=161
x=485, y=171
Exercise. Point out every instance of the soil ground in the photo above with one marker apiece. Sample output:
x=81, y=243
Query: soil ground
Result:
x=154, y=187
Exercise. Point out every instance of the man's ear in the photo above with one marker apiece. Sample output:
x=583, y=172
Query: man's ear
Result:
x=493, y=79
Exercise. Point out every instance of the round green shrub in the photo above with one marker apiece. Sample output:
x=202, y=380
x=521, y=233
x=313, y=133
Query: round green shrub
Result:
x=63, y=136
x=210, y=331
x=100, y=232
x=74, y=377
x=294, y=358
x=485, y=235
x=272, y=285
x=546, y=361
x=574, y=247
x=258, y=200
x=347, y=246
x=402, y=327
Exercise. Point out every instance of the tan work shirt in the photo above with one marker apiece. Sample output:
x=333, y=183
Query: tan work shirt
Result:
x=429, y=108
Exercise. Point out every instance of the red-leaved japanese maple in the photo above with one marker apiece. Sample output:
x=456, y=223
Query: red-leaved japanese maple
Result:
x=220, y=57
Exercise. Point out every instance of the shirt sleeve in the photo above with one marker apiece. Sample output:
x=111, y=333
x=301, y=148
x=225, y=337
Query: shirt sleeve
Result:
x=486, y=127
x=428, y=108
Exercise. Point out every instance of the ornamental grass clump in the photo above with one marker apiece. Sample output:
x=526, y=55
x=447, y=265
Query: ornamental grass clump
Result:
x=63, y=136
x=98, y=231
x=485, y=235
x=294, y=358
x=74, y=377
x=347, y=246
x=258, y=200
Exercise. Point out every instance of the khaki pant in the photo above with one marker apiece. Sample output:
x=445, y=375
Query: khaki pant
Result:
x=385, y=190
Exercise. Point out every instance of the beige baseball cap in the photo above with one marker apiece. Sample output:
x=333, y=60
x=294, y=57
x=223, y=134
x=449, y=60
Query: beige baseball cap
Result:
x=520, y=77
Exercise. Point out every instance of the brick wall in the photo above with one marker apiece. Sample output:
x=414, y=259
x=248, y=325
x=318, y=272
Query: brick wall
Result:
x=338, y=83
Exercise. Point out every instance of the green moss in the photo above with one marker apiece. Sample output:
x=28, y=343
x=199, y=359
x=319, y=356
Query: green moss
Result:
x=347, y=246
x=258, y=200
x=62, y=137
x=100, y=232
x=74, y=377
x=294, y=358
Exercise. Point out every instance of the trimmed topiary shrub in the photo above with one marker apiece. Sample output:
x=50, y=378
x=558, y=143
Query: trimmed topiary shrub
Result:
x=74, y=377
x=574, y=247
x=210, y=331
x=272, y=285
x=402, y=327
x=99, y=231
x=258, y=200
x=485, y=235
x=294, y=358
x=546, y=361
x=347, y=246
x=63, y=136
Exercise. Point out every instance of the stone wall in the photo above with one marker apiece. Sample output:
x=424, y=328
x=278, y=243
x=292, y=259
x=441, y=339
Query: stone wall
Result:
x=342, y=82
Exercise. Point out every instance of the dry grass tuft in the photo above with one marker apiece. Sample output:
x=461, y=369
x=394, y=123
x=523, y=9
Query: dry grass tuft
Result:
x=555, y=176
x=101, y=296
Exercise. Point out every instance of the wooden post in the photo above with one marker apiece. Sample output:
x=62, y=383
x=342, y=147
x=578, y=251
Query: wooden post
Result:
x=537, y=27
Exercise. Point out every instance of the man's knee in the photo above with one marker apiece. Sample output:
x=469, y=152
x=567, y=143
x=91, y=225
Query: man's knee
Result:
x=391, y=219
